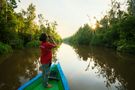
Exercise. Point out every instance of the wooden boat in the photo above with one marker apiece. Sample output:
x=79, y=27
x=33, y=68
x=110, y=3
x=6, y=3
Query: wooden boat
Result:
x=57, y=79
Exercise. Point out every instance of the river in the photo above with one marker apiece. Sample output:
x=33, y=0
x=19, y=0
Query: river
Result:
x=86, y=68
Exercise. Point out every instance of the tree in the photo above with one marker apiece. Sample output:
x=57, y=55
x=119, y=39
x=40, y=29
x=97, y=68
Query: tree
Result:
x=29, y=20
x=7, y=21
x=131, y=7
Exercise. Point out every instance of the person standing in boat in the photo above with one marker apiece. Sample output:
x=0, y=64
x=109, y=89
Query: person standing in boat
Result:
x=46, y=57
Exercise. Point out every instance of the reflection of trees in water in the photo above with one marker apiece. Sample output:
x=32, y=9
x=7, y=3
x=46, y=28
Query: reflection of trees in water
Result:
x=20, y=67
x=83, y=52
x=111, y=66
x=17, y=68
x=109, y=73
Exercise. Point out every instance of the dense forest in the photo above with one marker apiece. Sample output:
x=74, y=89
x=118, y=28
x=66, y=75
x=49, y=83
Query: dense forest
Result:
x=115, y=30
x=19, y=30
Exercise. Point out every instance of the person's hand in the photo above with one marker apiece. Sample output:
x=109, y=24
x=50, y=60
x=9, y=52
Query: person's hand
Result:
x=49, y=36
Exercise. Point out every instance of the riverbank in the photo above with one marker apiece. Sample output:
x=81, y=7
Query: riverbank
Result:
x=19, y=29
x=119, y=36
x=6, y=48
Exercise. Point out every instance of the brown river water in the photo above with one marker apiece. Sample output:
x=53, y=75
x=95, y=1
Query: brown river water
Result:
x=86, y=68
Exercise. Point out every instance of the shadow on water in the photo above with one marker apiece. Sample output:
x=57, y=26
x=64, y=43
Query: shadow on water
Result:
x=18, y=68
x=114, y=66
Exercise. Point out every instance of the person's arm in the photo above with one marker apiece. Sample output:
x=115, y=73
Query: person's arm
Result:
x=52, y=40
x=50, y=45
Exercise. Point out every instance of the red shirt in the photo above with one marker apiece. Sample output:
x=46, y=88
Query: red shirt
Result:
x=46, y=53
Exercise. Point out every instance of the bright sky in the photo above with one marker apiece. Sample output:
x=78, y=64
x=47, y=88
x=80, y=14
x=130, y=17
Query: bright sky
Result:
x=69, y=14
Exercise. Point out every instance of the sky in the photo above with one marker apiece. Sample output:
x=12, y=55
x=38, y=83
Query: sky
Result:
x=69, y=14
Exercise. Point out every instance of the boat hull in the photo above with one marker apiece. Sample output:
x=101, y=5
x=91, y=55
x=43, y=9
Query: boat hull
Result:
x=59, y=82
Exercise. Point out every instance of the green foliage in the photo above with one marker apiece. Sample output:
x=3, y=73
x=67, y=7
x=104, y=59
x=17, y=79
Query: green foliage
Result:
x=131, y=7
x=7, y=22
x=19, y=29
x=25, y=37
x=127, y=29
x=114, y=30
x=127, y=35
x=17, y=43
x=82, y=36
x=97, y=39
x=4, y=48
x=111, y=36
x=49, y=28
x=33, y=43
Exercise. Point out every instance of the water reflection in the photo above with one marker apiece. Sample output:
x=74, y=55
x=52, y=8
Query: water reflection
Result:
x=118, y=69
x=86, y=68
x=18, y=68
